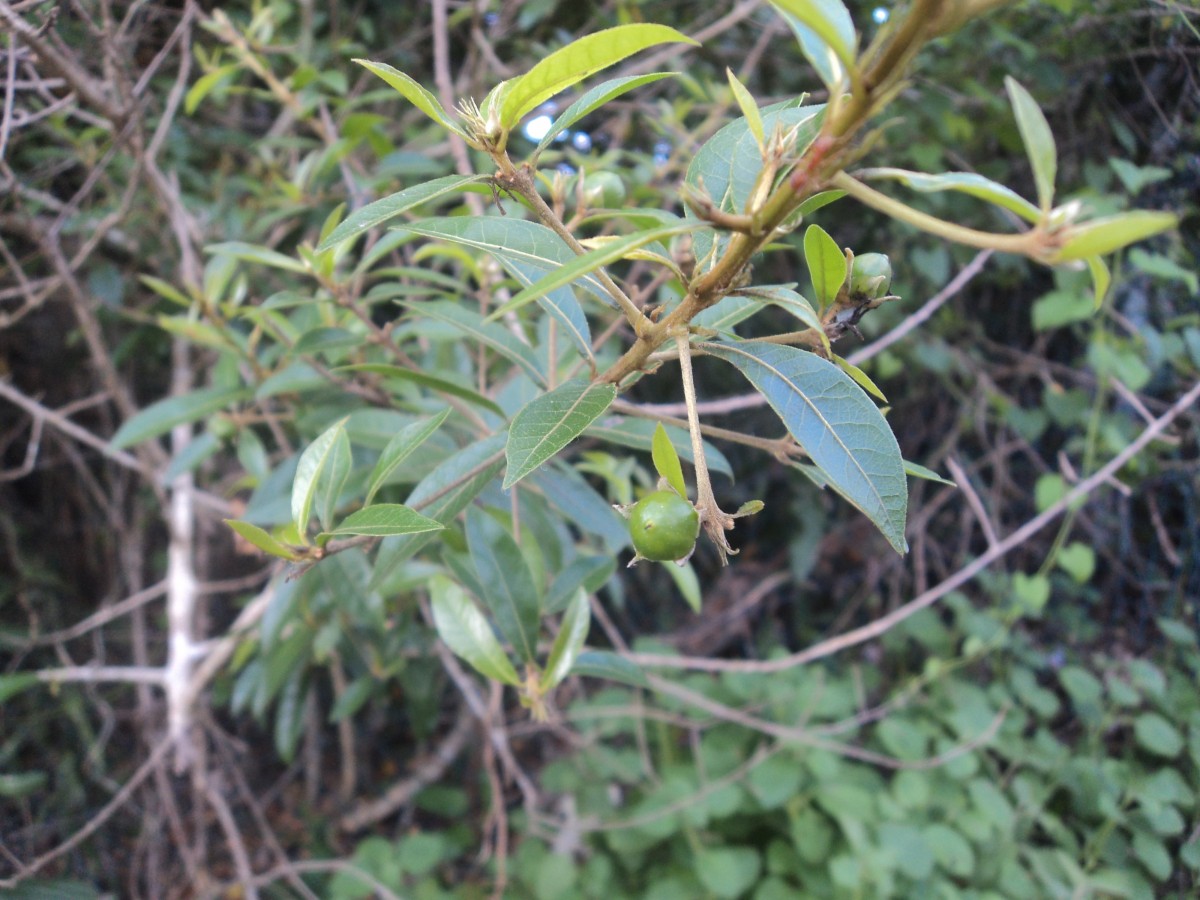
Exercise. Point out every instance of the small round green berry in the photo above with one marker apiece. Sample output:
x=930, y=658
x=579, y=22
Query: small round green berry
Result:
x=664, y=527
x=870, y=277
x=603, y=190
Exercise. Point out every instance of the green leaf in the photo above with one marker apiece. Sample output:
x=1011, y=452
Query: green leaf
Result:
x=548, y=423
x=571, y=634
x=1077, y=560
x=262, y=539
x=206, y=83
x=835, y=423
x=577, y=61
x=494, y=336
x=728, y=164
x=830, y=21
x=826, y=264
x=254, y=253
x=405, y=441
x=860, y=377
x=528, y=251
x=639, y=434
x=464, y=630
x=918, y=471
x=439, y=385
x=749, y=107
x=784, y=297
x=159, y=418
x=442, y=495
x=393, y=205
x=727, y=872
x=332, y=479
x=964, y=182
x=166, y=290
x=1100, y=237
x=385, y=519
x=1059, y=308
x=593, y=100
x=586, y=572
x=308, y=471
x=18, y=682
x=605, y=664
x=357, y=693
x=1156, y=734
x=21, y=784
x=666, y=460
x=687, y=584
x=608, y=252
x=1038, y=139
x=415, y=94
x=510, y=593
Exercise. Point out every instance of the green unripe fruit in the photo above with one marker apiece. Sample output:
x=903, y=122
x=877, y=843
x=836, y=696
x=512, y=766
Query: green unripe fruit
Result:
x=870, y=277
x=603, y=190
x=664, y=526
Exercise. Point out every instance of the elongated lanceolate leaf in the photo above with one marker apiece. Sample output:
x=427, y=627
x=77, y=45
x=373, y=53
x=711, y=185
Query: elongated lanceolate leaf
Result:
x=964, y=182
x=414, y=94
x=1101, y=279
x=442, y=495
x=261, y=539
x=550, y=422
x=254, y=253
x=639, y=434
x=608, y=252
x=1102, y=236
x=1038, y=139
x=831, y=22
x=577, y=61
x=509, y=590
x=571, y=636
x=497, y=337
x=405, y=441
x=838, y=426
x=820, y=56
x=332, y=479
x=666, y=460
x=466, y=632
x=826, y=264
x=159, y=418
x=606, y=664
x=308, y=471
x=593, y=100
x=438, y=385
x=383, y=520
x=785, y=297
x=749, y=107
x=393, y=205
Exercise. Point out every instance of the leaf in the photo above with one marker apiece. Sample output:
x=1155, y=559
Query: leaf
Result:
x=510, y=593
x=576, y=61
x=159, y=418
x=749, y=107
x=916, y=470
x=497, y=337
x=404, y=442
x=16, y=683
x=548, y=423
x=254, y=253
x=1100, y=237
x=729, y=163
x=415, y=94
x=593, y=100
x=262, y=539
x=465, y=631
x=727, y=871
x=571, y=634
x=860, y=377
x=205, y=84
x=826, y=264
x=332, y=479
x=385, y=519
x=605, y=664
x=442, y=495
x=1156, y=734
x=831, y=22
x=836, y=424
x=393, y=205
x=824, y=61
x=639, y=435
x=687, y=584
x=666, y=460
x=1038, y=140
x=608, y=252
x=312, y=461
x=586, y=572
x=964, y=182
x=440, y=385
x=357, y=693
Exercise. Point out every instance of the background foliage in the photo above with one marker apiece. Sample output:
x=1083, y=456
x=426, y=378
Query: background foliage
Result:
x=1034, y=734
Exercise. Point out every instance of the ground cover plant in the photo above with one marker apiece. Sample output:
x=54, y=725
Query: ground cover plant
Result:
x=440, y=380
